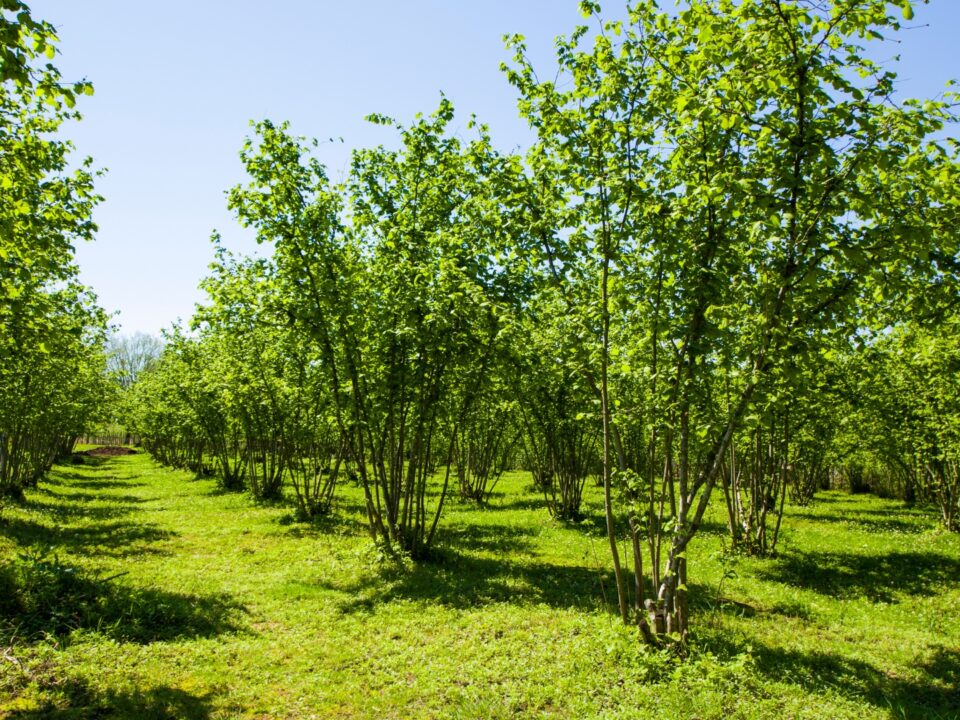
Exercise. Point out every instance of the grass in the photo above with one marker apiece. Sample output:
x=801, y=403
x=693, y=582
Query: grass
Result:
x=129, y=590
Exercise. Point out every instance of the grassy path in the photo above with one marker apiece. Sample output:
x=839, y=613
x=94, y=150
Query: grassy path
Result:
x=128, y=590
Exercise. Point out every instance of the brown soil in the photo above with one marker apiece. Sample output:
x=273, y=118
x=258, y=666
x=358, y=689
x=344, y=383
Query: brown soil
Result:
x=109, y=451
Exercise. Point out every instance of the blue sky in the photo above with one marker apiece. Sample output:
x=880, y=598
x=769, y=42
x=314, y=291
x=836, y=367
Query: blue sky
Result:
x=177, y=83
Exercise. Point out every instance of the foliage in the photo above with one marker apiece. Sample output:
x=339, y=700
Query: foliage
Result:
x=560, y=436
x=51, y=331
x=727, y=187
x=353, y=349
x=128, y=357
x=723, y=209
x=909, y=413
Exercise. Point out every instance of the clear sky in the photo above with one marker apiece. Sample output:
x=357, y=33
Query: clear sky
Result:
x=177, y=83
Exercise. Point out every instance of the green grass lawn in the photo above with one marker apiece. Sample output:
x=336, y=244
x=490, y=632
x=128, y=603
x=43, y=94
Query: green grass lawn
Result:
x=129, y=590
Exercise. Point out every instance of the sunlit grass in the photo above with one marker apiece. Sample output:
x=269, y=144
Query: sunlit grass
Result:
x=167, y=598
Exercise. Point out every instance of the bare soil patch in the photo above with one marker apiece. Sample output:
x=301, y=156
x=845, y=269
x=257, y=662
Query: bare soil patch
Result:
x=109, y=451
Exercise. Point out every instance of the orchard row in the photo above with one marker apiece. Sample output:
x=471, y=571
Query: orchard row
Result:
x=728, y=262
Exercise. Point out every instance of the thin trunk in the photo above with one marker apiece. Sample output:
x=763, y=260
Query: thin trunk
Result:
x=605, y=409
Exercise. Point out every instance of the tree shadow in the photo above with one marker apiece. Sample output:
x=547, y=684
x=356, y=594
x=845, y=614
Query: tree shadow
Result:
x=894, y=507
x=704, y=601
x=81, y=458
x=519, y=504
x=87, y=483
x=44, y=597
x=220, y=490
x=115, y=539
x=933, y=695
x=346, y=516
x=493, y=501
x=944, y=666
x=332, y=523
x=717, y=528
x=877, y=578
x=501, y=539
x=590, y=519
x=463, y=581
x=72, y=698
x=81, y=510
x=86, y=497
x=106, y=532
x=791, y=608
x=837, y=498
x=883, y=524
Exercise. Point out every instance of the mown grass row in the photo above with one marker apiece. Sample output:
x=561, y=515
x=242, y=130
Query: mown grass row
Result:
x=136, y=591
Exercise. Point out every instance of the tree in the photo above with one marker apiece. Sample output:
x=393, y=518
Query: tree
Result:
x=51, y=331
x=908, y=414
x=129, y=356
x=399, y=289
x=728, y=171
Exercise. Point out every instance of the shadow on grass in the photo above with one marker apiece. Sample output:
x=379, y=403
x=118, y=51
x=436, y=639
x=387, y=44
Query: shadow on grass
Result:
x=877, y=578
x=346, y=517
x=944, y=666
x=855, y=504
x=85, y=497
x=219, y=490
x=44, y=597
x=932, y=695
x=114, y=539
x=63, y=478
x=518, y=504
x=792, y=608
x=503, y=539
x=332, y=523
x=81, y=458
x=72, y=698
x=463, y=581
x=835, y=497
x=70, y=476
x=884, y=523
x=80, y=520
x=81, y=509
x=718, y=528
x=67, y=467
